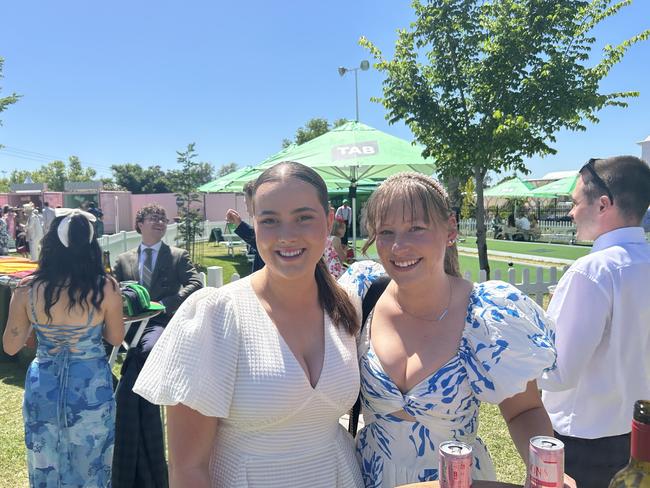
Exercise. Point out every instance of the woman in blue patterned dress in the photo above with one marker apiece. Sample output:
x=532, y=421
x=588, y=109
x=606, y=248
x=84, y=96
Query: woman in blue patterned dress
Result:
x=68, y=409
x=436, y=345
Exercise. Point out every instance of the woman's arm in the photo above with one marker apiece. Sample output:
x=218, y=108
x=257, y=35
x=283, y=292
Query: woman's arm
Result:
x=113, y=319
x=18, y=323
x=191, y=439
x=526, y=417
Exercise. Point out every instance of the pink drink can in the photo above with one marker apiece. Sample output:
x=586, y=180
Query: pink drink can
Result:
x=545, y=463
x=455, y=465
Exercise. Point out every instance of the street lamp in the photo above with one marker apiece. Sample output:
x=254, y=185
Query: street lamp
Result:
x=363, y=67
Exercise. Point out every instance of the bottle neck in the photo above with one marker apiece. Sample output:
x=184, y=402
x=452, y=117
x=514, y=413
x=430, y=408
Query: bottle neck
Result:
x=640, y=442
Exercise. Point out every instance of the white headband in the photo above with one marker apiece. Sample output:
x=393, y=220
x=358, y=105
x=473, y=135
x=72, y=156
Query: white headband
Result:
x=64, y=225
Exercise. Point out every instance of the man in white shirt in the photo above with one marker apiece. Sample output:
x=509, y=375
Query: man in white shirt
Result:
x=344, y=214
x=523, y=223
x=602, y=311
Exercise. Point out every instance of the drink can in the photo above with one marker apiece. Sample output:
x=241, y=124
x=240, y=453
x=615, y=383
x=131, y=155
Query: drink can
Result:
x=455, y=465
x=545, y=463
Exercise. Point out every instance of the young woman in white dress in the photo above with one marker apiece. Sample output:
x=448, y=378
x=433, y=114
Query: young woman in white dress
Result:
x=257, y=373
x=436, y=345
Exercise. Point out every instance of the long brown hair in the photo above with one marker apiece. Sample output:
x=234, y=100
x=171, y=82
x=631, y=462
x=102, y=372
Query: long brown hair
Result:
x=334, y=300
x=417, y=190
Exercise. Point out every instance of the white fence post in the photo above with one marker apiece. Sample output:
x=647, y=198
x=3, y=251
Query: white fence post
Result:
x=215, y=276
x=234, y=277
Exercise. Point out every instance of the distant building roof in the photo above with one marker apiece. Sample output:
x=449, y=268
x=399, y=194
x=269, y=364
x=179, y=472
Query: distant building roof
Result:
x=647, y=139
x=558, y=175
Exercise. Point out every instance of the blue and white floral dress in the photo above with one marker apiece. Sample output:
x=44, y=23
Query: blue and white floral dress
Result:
x=69, y=408
x=507, y=342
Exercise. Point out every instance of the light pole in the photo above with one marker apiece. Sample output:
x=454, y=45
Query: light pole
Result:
x=363, y=67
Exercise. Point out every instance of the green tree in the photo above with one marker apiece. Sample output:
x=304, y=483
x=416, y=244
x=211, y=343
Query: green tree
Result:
x=468, y=208
x=155, y=180
x=6, y=101
x=129, y=176
x=483, y=85
x=76, y=172
x=109, y=184
x=190, y=225
x=53, y=174
x=138, y=180
x=312, y=129
x=224, y=170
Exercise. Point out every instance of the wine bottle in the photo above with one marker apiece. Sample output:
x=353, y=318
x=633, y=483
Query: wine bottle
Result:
x=106, y=262
x=637, y=473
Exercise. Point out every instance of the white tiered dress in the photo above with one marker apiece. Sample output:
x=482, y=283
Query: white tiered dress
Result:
x=222, y=355
x=507, y=342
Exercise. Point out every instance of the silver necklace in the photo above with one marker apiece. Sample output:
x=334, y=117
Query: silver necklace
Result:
x=442, y=315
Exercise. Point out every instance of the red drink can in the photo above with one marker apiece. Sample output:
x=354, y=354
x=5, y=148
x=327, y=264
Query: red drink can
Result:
x=545, y=463
x=455, y=465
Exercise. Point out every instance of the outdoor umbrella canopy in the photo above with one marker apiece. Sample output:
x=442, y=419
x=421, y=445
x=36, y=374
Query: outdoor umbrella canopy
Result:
x=354, y=151
x=220, y=184
x=557, y=188
x=513, y=188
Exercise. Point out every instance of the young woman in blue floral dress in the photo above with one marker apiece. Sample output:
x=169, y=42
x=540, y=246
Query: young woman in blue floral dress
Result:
x=69, y=409
x=436, y=345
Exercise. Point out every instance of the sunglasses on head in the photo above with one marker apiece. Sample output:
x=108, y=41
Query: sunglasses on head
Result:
x=589, y=166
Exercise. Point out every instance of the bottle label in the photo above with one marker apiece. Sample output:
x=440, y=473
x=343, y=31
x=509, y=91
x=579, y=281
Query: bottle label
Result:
x=640, y=441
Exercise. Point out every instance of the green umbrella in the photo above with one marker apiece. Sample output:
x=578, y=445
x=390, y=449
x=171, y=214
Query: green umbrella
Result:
x=557, y=188
x=513, y=188
x=219, y=185
x=353, y=151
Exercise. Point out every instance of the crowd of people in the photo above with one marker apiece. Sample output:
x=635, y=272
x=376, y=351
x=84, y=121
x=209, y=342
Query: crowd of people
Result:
x=255, y=375
x=25, y=226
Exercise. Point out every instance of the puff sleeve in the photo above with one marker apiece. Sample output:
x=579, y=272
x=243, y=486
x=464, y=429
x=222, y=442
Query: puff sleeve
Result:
x=358, y=277
x=508, y=341
x=195, y=360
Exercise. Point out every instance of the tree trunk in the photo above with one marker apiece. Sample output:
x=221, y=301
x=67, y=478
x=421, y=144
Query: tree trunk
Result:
x=481, y=243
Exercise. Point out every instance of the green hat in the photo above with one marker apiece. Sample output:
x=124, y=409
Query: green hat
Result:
x=136, y=300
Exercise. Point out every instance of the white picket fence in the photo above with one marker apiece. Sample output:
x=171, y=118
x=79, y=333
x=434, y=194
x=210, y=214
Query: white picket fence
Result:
x=468, y=227
x=533, y=286
x=125, y=240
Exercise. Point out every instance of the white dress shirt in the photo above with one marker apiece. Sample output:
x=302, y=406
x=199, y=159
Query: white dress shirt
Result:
x=345, y=214
x=143, y=256
x=602, y=311
x=523, y=223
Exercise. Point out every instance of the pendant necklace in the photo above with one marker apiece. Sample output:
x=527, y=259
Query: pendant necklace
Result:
x=442, y=315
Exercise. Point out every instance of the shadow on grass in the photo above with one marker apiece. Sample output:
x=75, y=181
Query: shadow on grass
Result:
x=12, y=372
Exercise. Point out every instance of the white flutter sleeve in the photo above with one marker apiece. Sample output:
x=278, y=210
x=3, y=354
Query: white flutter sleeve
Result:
x=195, y=360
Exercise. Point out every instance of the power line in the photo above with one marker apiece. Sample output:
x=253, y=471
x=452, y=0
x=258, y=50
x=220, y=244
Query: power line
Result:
x=38, y=157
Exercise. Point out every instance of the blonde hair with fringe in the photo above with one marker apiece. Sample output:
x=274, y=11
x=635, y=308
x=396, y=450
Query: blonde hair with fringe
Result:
x=416, y=190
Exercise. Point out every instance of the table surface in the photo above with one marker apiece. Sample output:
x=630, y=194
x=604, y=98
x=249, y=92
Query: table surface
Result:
x=475, y=484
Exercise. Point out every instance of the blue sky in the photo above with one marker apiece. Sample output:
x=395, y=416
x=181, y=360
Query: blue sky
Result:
x=135, y=81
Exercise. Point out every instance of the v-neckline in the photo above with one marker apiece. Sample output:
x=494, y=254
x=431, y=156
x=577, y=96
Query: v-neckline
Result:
x=284, y=344
x=432, y=374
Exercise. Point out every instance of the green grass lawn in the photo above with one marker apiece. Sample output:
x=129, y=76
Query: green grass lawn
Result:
x=541, y=249
x=471, y=264
x=13, y=467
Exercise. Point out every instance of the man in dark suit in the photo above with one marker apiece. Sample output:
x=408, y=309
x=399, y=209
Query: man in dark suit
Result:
x=170, y=277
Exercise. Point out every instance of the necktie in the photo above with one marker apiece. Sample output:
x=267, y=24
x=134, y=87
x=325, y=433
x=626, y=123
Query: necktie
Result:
x=146, y=268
